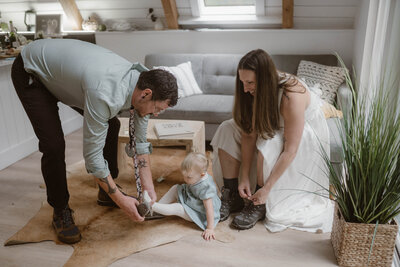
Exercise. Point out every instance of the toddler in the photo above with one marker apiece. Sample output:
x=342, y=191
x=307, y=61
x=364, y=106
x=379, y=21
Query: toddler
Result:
x=196, y=201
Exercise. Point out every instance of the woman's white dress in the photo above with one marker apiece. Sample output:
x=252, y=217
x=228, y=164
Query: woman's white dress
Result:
x=294, y=201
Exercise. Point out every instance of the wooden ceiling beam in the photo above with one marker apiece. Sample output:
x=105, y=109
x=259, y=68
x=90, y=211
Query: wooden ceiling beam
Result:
x=72, y=12
x=171, y=13
x=287, y=13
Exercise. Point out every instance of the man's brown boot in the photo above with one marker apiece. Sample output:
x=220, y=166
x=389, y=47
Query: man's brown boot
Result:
x=103, y=199
x=64, y=225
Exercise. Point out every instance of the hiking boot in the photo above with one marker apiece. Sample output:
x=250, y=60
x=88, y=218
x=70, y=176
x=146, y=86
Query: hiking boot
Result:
x=249, y=216
x=103, y=199
x=64, y=225
x=230, y=202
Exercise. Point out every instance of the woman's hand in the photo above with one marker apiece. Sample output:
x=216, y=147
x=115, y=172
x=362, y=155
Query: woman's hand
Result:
x=244, y=188
x=208, y=234
x=260, y=197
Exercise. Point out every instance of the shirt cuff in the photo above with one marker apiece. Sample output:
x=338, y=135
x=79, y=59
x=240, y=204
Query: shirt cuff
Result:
x=142, y=148
x=99, y=173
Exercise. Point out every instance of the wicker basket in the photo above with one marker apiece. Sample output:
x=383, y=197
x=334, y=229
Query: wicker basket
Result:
x=352, y=242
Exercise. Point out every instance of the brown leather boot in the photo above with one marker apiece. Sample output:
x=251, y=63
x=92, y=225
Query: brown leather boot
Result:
x=230, y=202
x=249, y=216
x=103, y=199
x=64, y=225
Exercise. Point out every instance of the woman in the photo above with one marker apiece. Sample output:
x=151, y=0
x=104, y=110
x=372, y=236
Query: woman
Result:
x=273, y=140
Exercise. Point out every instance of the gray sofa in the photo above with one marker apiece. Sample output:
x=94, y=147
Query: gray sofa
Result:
x=215, y=74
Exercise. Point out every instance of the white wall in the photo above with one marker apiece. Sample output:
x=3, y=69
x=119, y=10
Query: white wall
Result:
x=308, y=14
x=135, y=45
x=17, y=139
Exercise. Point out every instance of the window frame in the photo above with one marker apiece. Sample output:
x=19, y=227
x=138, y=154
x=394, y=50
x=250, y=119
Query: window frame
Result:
x=199, y=10
x=259, y=20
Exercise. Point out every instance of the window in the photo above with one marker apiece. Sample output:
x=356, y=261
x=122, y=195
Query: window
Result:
x=227, y=7
x=234, y=14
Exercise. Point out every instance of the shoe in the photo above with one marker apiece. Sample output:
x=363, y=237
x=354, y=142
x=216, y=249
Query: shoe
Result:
x=64, y=225
x=249, y=216
x=230, y=202
x=153, y=216
x=103, y=199
x=145, y=209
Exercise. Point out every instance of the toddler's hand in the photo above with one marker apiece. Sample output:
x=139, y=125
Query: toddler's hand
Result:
x=208, y=234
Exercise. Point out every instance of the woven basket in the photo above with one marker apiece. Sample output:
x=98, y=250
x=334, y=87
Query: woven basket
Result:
x=352, y=242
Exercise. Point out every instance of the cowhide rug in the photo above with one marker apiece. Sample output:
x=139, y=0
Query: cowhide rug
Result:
x=107, y=233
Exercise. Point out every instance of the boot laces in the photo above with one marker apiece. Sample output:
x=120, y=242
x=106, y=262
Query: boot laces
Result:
x=66, y=216
x=251, y=207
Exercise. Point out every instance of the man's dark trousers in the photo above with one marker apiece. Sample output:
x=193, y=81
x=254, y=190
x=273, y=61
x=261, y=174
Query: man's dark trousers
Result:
x=42, y=110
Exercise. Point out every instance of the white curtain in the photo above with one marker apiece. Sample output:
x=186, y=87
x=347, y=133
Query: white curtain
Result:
x=381, y=55
x=382, y=45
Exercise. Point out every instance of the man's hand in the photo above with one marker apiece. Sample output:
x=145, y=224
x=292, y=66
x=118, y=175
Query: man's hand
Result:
x=126, y=203
x=152, y=195
x=129, y=206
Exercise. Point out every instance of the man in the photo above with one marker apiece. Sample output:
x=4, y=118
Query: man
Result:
x=99, y=84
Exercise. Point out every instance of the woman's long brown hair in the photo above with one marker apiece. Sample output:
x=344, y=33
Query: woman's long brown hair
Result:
x=260, y=111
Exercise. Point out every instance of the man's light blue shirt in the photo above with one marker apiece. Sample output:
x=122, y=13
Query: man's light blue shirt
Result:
x=91, y=78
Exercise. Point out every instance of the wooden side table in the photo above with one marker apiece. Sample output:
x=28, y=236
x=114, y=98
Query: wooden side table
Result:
x=195, y=143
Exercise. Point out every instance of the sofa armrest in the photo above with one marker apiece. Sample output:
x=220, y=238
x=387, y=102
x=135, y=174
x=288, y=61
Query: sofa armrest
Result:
x=344, y=98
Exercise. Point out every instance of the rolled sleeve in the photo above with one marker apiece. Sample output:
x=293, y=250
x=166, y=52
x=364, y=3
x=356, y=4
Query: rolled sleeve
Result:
x=142, y=146
x=95, y=128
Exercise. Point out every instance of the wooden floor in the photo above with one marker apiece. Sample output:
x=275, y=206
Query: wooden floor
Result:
x=21, y=197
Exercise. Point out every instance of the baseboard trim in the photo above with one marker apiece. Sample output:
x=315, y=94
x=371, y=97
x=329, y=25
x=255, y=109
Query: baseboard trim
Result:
x=17, y=152
x=23, y=149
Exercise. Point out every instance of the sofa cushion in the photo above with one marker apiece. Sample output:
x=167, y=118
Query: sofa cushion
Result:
x=187, y=84
x=196, y=60
x=289, y=63
x=207, y=108
x=219, y=74
x=328, y=77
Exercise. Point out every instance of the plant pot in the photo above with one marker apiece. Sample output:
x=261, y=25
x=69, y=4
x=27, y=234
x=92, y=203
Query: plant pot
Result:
x=352, y=242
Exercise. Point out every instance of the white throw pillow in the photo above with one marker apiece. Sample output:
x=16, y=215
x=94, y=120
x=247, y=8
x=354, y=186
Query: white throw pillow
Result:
x=183, y=73
x=329, y=78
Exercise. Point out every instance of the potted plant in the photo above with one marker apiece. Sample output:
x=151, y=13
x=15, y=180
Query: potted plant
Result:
x=367, y=192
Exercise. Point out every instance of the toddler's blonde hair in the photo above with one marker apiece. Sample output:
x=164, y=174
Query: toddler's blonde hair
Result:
x=195, y=161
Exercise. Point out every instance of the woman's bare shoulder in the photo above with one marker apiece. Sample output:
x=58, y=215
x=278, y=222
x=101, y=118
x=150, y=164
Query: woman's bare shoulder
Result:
x=295, y=96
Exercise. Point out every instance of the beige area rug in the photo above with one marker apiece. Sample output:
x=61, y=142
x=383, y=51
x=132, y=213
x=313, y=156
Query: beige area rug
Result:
x=107, y=233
